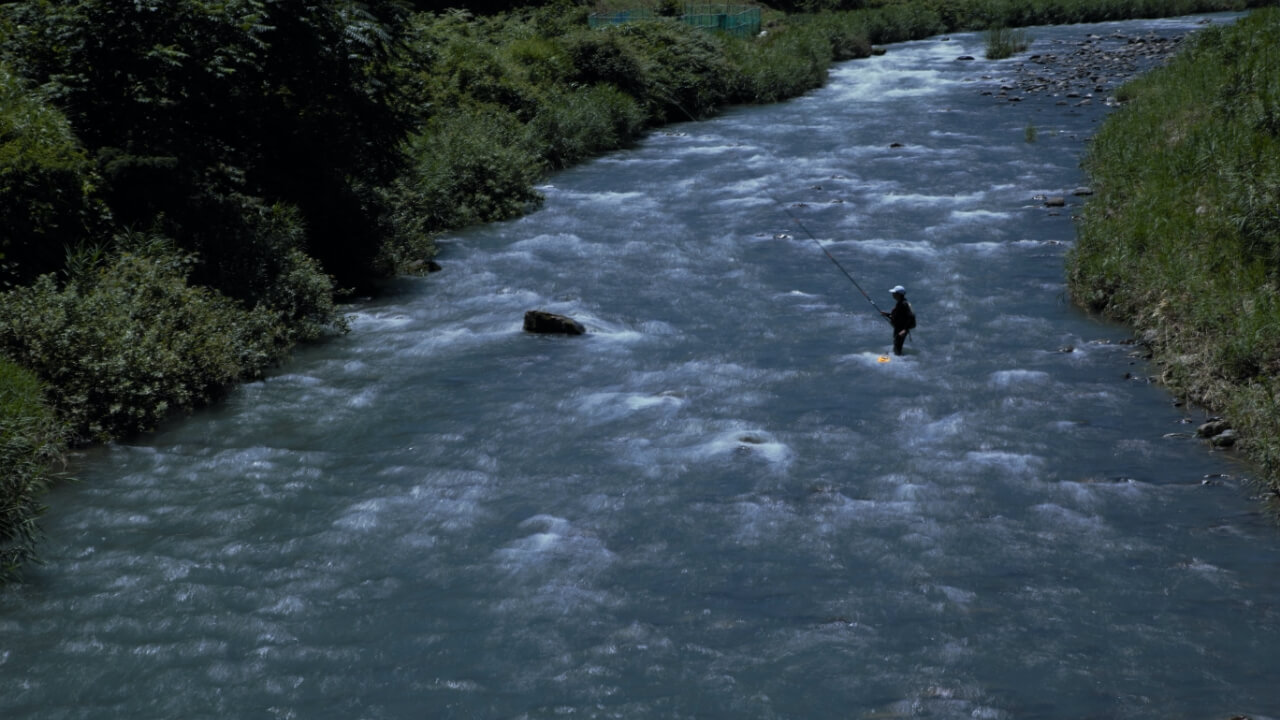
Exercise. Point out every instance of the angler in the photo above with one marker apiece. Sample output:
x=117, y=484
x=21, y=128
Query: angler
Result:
x=901, y=317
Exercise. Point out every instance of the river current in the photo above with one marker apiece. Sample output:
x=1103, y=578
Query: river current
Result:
x=720, y=502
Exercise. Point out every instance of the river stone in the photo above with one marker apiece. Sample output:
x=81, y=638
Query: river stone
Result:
x=540, y=321
x=1224, y=439
x=1212, y=428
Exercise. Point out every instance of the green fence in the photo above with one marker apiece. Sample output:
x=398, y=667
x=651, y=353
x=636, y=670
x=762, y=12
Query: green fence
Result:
x=736, y=20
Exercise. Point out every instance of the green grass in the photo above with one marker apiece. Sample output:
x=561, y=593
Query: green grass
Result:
x=1003, y=42
x=1182, y=237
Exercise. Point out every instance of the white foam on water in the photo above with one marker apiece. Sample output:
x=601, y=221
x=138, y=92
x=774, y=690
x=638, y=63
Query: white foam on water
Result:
x=1004, y=324
x=716, y=149
x=884, y=247
x=1058, y=518
x=551, y=571
x=921, y=200
x=363, y=516
x=969, y=217
x=601, y=407
x=611, y=331
x=1021, y=465
x=1096, y=496
x=1018, y=378
x=744, y=442
x=635, y=199
x=883, y=362
x=379, y=321
x=557, y=243
x=871, y=83
x=454, y=340
x=929, y=431
x=737, y=204
x=762, y=521
x=450, y=500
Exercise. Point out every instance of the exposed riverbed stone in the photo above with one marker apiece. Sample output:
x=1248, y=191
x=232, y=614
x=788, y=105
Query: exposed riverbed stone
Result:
x=543, y=322
x=1224, y=439
x=1215, y=426
x=1092, y=67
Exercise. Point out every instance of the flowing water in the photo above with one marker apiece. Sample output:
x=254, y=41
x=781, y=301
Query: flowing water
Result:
x=719, y=503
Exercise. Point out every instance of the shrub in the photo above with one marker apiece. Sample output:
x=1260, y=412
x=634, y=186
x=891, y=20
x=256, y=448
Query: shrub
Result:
x=253, y=253
x=686, y=75
x=472, y=167
x=606, y=57
x=783, y=64
x=128, y=341
x=576, y=124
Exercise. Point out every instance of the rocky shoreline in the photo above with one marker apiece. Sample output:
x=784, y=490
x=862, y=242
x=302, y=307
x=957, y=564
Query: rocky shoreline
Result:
x=1087, y=71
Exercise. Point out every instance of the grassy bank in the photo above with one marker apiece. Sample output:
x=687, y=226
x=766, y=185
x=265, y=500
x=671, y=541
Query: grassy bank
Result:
x=189, y=186
x=1182, y=236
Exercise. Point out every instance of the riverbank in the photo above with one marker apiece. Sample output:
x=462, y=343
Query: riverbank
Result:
x=554, y=90
x=1182, y=240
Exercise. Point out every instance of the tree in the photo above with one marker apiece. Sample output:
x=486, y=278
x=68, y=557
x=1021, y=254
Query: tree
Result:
x=187, y=105
x=45, y=179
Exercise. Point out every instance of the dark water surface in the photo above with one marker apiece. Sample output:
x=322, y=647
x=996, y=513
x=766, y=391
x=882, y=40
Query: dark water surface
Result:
x=718, y=504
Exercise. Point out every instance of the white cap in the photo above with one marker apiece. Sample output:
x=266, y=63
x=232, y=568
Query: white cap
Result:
x=898, y=289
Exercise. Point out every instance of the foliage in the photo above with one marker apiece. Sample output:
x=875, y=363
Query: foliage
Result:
x=31, y=441
x=576, y=124
x=784, y=63
x=1182, y=238
x=472, y=167
x=185, y=102
x=127, y=341
x=45, y=184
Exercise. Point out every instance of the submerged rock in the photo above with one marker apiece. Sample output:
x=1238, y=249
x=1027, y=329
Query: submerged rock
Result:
x=542, y=322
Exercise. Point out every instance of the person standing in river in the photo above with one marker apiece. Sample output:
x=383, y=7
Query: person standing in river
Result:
x=902, y=317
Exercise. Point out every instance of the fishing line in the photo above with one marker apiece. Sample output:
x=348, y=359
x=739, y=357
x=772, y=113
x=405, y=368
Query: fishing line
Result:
x=832, y=258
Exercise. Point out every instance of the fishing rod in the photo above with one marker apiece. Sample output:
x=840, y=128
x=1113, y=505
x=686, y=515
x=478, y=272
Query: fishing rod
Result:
x=832, y=258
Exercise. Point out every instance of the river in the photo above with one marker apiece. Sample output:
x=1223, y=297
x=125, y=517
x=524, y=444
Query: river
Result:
x=718, y=503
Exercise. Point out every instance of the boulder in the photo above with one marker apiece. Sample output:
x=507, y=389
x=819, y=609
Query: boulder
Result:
x=542, y=322
x=1214, y=427
x=1224, y=439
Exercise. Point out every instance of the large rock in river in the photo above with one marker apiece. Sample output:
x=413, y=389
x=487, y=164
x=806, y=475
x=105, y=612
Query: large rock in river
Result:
x=541, y=321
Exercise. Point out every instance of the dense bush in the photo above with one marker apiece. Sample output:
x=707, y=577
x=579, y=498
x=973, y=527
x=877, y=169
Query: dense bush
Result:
x=472, y=167
x=784, y=63
x=686, y=75
x=572, y=125
x=126, y=341
x=1183, y=238
x=31, y=441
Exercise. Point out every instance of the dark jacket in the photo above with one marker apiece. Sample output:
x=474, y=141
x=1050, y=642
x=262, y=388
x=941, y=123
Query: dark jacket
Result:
x=902, y=317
